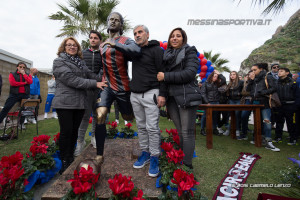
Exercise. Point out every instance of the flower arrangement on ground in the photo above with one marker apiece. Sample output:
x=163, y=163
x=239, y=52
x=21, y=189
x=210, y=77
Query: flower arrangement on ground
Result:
x=123, y=189
x=83, y=185
x=13, y=178
x=112, y=130
x=177, y=180
x=127, y=131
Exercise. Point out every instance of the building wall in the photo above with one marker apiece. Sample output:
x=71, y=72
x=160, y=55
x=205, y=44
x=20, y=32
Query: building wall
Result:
x=8, y=63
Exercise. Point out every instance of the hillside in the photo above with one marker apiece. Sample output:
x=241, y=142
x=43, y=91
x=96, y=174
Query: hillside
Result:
x=282, y=48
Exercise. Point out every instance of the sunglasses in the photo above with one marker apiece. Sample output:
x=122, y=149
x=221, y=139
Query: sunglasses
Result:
x=22, y=67
x=274, y=67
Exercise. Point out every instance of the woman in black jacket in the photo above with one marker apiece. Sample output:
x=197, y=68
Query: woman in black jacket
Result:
x=211, y=95
x=234, y=92
x=260, y=92
x=181, y=65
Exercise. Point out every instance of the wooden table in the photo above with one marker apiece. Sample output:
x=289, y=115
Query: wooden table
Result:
x=209, y=108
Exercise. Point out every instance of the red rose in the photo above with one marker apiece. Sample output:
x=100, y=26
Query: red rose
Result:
x=121, y=185
x=176, y=139
x=175, y=155
x=167, y=146
x=139, y=196
x=42, y=139
x=56, y=137
x=128, y=125
x=184, y=181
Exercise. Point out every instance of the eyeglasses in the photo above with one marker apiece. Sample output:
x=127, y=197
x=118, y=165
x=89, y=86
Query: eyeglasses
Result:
x=71, y=45
x=22, y=67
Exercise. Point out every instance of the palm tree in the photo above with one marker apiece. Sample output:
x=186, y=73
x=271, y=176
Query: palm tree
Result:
x=275, y=5
x=216, y=61
x=83, y=16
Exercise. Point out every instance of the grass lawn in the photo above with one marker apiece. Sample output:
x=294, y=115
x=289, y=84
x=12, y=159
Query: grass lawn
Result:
x=209, y=167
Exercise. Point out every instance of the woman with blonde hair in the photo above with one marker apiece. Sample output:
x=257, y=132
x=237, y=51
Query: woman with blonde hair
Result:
x=72, y=78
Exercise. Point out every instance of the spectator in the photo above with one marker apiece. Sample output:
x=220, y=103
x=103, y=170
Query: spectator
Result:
x=273, y=74
x=211, y=95
x=246, y=99
x=19, y=89
x=34, y=89
x=51, y=91
x=225, y=114
x=234, y=92
x=181, y=64
x=72, y=80
x=93, y=60
x=259, y=93
x=286, y=89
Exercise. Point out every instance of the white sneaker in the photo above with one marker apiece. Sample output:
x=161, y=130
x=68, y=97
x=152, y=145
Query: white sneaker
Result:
x=54, y=115
x=220, y=130
x=270, y=146
x=237, y=133
x=93, y=141
x=79, y=148
x=226, y=133
x=46, y=116
x=25, y=121
x=252, y=142
x=33, y=121
x=117, y=121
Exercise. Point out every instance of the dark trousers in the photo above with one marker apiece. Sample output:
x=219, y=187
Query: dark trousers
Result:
x=298, y=122
x=286, y=113
x=69, y=122
x=10, y=102
x=184, y=120
x=224, y=120
x=245, y=118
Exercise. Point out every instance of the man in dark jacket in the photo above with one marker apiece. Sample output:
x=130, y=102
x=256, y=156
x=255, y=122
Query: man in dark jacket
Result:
x=146, y=92
x=274, y=75
x=93, y=60
x=19, y=89
x=286, y=89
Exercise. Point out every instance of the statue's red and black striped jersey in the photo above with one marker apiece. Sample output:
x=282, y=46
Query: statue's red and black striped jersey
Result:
x=115, y=66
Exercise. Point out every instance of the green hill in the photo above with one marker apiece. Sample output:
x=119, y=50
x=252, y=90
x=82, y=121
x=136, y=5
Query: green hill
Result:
x=282, y=48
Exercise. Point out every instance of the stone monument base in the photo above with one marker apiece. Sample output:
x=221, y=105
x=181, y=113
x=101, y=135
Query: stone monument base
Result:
x=119, y=156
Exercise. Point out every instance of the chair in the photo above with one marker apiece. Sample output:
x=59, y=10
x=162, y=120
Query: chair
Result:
x=29, y=108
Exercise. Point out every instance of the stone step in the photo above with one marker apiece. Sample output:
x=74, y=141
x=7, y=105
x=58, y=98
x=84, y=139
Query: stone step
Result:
x=119, y=156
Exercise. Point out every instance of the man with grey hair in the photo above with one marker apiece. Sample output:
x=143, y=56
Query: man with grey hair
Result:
x=147, y=96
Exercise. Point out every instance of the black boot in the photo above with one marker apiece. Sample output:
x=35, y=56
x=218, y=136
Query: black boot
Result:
x=202, y=132
x=64, y=166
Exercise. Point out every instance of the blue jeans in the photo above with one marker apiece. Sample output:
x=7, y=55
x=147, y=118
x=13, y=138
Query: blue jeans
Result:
x=215, y=120
x=245, y=118
x=237, y=114
x=49, y=103
x=266, y=122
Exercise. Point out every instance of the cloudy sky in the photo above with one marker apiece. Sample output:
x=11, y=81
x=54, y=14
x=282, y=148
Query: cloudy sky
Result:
x=27, y=32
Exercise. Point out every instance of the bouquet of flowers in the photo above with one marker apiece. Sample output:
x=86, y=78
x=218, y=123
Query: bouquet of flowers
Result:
x=123, y=189
x=13, y=178
x=40, y=155
x=127, y=131
x=176, y=179
x=112, y=130
x=83, y=185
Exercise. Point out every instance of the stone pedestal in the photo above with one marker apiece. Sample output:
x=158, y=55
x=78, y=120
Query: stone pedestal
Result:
x=119, y=156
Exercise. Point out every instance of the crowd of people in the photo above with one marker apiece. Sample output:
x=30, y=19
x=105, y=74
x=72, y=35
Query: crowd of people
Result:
x=256, y=88
x=86, y=82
